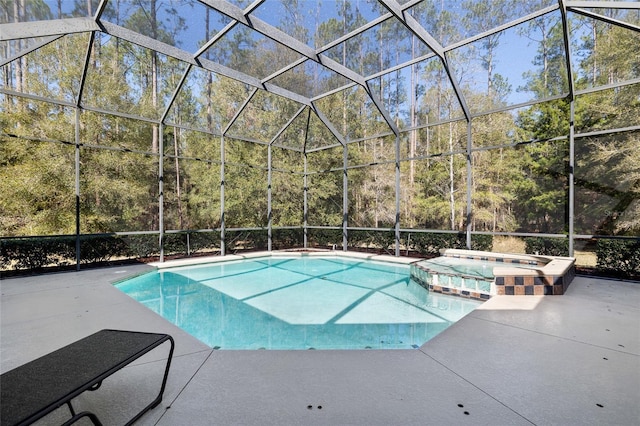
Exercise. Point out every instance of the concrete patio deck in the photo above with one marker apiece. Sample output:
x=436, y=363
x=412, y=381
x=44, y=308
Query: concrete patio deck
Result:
x=517, y=360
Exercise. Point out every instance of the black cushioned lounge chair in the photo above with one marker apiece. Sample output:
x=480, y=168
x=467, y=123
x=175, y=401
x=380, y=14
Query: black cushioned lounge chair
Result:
x=39, y=387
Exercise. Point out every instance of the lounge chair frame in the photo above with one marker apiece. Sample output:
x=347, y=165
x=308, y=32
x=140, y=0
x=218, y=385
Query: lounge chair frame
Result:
x=35, y=389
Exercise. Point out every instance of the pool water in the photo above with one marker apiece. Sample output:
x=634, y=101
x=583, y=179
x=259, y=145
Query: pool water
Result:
x=298, y=303
x=461, y=276
x=469, y=267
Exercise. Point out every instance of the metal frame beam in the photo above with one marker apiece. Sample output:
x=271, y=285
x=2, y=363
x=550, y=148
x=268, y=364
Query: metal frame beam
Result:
x=214, y=39
x=354, y=33
x=305, y=204
x=345, y=198
x=101, y=6
x=414, y=26
x=571, y=177
x=222, y=206
x=60, y=102
x=176, y=92
x=287, y=124
x=398, y=194
x=161, y=229
x=239, y=111
x=177, y=53
x=329, y=125
x=604, y=18
x=58, y=27
x=604, y=4
x=502, y=27
x=269, y=206
x=426, y=38
x=147, y=42
x=567, y=51
x=382, y=110
x=85, y=69
x=283, y=38
x=469, y=210
x=30, y=49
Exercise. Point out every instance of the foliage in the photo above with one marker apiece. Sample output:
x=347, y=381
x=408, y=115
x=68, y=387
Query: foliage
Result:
x=383, y=240
x=482, y=242
x=287, y=238
x=36, y=188
x=176, y=244
x=204, y=241
x=188, y=243
x=430, y=244
x=252, y=240
x=36, y=253
x=619, y=257
x=607, y=190
x=141, y=246
x=325, y=199
x=324, y=237
x=547, y=246
x=100, y=248
x=189, y=178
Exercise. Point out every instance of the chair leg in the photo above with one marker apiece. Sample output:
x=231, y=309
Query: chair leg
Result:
x=158, y=399
x=94, y=419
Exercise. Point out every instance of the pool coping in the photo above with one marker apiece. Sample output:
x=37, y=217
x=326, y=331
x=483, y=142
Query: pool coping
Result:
x=282, y=253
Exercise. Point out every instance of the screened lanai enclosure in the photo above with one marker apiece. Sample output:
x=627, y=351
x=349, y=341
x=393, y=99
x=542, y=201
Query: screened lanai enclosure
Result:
x=149, y=128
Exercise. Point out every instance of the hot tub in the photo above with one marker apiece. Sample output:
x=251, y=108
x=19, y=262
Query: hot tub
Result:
x=480, y=275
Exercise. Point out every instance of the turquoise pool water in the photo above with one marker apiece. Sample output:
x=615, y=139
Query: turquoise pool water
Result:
x=462, y=275
x=468, y=267
x=298, y=303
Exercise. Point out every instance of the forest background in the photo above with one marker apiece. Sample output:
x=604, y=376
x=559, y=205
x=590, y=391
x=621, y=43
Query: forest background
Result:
x=150, y=160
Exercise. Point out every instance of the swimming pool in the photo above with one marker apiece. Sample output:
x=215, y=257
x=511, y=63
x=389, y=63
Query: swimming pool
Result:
x=298, y=302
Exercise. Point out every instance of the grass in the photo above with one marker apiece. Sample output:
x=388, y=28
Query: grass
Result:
x=513, y=245
x=585, y=258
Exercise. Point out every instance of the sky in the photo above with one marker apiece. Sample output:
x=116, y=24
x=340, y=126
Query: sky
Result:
x=514, y=54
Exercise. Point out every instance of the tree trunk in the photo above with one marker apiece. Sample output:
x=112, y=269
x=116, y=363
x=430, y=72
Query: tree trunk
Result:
x=155, y=143
x=594, y=54
x=18, y=6
x=176, y=151
x=451, y=182
x=209, y=77
x=412, y=112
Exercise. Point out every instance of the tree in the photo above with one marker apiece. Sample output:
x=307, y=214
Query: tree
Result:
x=482, y=16
x=36, y=185
x=607, y=174
x=542, y=195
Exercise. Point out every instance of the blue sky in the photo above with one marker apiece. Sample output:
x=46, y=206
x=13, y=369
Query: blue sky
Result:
x=514, y=54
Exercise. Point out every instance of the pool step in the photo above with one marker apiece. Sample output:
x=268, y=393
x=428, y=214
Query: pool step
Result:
x=456, y=285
